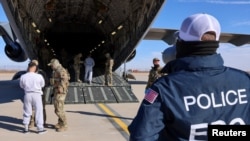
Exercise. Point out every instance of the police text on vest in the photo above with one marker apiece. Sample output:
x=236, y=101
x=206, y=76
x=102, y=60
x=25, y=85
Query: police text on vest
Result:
x=216, y=100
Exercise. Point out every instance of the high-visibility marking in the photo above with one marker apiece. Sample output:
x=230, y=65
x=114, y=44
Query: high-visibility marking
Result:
x=117, y=93
x=130, y=98
x=91, y=94
x=103, y=94
x=113, y=116
x=75, y=93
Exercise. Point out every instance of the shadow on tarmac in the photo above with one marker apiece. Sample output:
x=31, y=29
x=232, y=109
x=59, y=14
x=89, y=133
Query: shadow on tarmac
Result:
x=10, y=91
x=101, y=115
x=7, y=123
x=138, y=82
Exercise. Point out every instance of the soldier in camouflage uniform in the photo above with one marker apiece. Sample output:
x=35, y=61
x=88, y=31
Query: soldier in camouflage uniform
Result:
x=108, y=70
x=60, y=81
x=154, y=73
x=77, y=66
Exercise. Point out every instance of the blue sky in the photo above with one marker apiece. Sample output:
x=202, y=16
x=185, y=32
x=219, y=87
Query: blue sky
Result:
x=233, y=16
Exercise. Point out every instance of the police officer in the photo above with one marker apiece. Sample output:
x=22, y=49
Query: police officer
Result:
x=60, y=81
x=108, y=70
x=199, y=91
x=77, y=66
x=154, y=73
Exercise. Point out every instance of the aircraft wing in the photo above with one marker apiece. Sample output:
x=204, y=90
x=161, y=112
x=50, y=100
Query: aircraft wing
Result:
x=168, y=36
x=235, y=39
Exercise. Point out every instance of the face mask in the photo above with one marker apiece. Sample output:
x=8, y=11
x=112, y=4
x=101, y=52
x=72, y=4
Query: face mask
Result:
x=156, y=65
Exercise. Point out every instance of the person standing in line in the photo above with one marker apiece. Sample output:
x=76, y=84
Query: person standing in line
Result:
x=77, y=66
x=108, y=70
x=199, y=90
x=89, y=63
x=154, y=73
x=32, y=84
x=60, y=82
x=32, y=119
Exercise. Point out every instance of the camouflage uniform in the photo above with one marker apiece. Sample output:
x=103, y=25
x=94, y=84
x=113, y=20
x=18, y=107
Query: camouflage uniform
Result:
x=154, y=73
x=60, y=81
x=77, y=66
x=108, y=70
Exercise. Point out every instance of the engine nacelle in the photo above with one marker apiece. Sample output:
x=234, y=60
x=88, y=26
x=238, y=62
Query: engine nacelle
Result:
x=169, y=54
x=12, y=49
x=15, y=52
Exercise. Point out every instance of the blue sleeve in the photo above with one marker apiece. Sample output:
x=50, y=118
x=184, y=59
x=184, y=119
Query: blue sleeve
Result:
x=148, y=123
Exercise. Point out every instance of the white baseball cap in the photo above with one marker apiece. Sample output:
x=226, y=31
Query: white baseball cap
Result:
x=194, y=26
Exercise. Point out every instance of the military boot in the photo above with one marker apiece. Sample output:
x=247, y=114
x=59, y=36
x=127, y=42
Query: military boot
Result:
x=61, y=129
x=57, y=126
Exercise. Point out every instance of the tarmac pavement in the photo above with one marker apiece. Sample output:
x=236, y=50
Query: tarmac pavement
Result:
x=86, y=122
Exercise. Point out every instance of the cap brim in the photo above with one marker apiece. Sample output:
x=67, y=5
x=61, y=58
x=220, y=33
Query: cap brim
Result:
x=49, y=64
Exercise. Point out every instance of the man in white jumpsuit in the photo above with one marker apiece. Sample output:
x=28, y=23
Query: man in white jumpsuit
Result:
x=89, y=63
x=32, y=84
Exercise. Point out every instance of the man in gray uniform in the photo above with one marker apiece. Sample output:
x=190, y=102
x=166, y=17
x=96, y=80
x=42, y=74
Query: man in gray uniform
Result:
x=32, y=84
x=32, y=119
x=89, y=63
x=60, y=81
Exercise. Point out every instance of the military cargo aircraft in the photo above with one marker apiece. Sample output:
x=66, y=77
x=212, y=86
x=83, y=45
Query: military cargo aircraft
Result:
x=46, y=29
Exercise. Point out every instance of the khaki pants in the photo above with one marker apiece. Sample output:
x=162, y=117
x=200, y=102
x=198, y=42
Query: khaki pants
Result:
x=59, y=99
x=108, y=78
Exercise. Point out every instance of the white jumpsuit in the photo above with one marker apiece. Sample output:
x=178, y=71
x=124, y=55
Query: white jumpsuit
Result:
x=32, y=84
x=89, y=64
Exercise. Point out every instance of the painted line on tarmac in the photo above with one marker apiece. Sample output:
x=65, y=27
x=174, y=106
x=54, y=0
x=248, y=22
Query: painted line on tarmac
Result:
x=120, y=124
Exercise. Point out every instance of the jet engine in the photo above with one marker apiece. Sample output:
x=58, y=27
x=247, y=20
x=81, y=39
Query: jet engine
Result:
x=12, y=49
x=15, y=52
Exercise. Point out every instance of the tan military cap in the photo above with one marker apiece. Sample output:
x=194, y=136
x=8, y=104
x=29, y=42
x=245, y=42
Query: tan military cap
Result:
x=53, y=62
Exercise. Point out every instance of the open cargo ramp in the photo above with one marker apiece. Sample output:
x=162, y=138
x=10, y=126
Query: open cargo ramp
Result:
x=84, y=93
